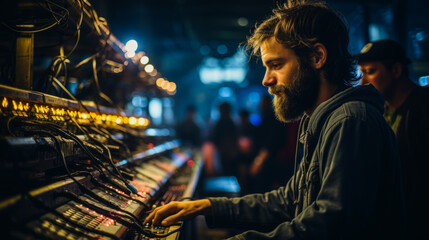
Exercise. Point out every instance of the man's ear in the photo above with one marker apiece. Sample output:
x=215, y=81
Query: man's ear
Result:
x=397, y=70
x=320, y=54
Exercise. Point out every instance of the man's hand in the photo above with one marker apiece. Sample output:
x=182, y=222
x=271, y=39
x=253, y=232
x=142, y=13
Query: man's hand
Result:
x=174, y=212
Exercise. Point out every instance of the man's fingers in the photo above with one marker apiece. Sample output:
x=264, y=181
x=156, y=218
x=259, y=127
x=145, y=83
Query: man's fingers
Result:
x=164, y=211
x=152, y=214
x=149, y=217
x=174, y=212
x=170, y=220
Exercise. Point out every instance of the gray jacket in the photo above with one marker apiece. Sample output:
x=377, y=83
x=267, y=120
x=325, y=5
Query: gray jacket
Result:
x=347, y=186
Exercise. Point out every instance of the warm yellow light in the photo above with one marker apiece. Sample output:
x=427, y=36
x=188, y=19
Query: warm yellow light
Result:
x=144, y=60
x=159, y=81
x=15, y=106
x=118, y=70
x=84, y=116
x=20, y=106
x=60, y=112
x=149, y=68
x=112, y=118
x=41, y=109
x=72, y=114
x=132, y=120
x=141, y=121
x=103, y=117
x=5, y=103
x=171, y=87
x=165, y=84
x=118, y=120
x=26, y=107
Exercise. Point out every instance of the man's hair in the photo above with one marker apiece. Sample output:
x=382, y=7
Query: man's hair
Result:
x=298, y=25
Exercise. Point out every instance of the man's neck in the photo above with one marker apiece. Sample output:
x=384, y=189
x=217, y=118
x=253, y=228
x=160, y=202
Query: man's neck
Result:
x=327, y=89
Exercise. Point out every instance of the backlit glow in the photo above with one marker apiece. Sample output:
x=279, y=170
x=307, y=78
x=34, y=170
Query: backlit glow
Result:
x=243, y=21
x=424, y=81
x=159, y=82
x=233, y=69
x=4, y=102
x=130, y=54
x=155, y=110
x=144, y=60
x=131, y=46
x=149, y=68
x=132, y=120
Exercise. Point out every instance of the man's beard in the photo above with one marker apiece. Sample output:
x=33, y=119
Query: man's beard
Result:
x=290, y=102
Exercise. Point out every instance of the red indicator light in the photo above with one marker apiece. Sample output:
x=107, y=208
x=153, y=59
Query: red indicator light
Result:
x=190, y=163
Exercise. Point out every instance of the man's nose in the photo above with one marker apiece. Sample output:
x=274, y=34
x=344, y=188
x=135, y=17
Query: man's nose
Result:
x=268, y=80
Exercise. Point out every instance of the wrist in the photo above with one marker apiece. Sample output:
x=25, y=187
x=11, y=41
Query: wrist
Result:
x=205, y=207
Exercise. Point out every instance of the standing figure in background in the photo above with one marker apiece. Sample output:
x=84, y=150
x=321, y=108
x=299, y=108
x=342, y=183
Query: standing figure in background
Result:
x=225, y=138
x=270, y=138
x=188, y=130
x=384, y=64
x=246, y=144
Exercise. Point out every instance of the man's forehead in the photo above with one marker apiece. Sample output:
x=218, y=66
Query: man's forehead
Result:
x=370, y=64
x=271, y=49
x=269, y=44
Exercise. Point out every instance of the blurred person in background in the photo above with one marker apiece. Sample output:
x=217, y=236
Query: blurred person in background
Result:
x=188, y=130
x=384, y=64
x=270, y=138
x=225, y=138
x=246, y=145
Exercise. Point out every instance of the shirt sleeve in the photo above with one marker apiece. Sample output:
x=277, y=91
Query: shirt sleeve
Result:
x=251, y=211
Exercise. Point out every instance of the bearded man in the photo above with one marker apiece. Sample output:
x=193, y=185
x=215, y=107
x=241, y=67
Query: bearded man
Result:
x=347, y=184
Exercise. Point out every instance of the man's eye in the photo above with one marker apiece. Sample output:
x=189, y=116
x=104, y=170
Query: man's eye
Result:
x=367, y=72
